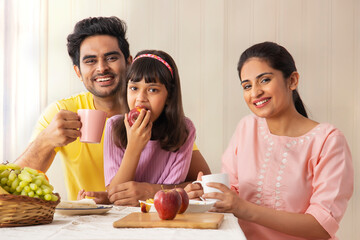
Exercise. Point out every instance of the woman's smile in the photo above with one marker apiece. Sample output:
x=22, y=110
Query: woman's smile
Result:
x=261, y=102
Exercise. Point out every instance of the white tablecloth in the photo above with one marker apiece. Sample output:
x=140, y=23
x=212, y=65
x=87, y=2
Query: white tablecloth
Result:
x=101, y=227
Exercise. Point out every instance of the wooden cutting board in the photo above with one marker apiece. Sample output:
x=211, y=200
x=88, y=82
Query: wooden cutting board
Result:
x=186, y=220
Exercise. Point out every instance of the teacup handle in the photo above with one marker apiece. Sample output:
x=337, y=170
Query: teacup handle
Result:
x=201, y=183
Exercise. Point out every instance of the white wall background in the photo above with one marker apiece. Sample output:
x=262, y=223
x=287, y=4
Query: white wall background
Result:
x=206, y=38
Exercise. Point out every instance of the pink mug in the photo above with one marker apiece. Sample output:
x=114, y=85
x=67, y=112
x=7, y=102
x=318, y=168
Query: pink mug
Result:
x=93, y=122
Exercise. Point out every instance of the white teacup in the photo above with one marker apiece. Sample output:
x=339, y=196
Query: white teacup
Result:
x=218, y=178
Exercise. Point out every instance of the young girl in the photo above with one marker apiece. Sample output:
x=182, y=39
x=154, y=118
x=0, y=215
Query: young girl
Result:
x=293, y=176
x=157, y=148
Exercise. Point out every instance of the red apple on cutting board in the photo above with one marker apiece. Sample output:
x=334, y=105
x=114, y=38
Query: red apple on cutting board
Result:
x=167, y=203
x=133, y=115
x=184, y=200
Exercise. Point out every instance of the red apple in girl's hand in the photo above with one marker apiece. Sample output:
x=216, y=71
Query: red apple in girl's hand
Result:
x=133, y=115
x=184, y=199
x=167, y=203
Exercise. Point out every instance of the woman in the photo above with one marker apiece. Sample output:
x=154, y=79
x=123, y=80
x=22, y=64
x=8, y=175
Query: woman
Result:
x=293, y=176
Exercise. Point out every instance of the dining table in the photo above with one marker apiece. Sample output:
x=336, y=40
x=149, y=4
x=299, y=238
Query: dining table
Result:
x=100, y=226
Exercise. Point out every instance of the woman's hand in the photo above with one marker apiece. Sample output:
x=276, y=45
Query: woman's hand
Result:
x=195, y=191
x=139, y=134
x=229, y=200
x=296, y=224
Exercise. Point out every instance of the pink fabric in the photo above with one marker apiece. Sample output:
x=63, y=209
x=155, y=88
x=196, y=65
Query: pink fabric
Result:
x=155, y=165
x=310, y=174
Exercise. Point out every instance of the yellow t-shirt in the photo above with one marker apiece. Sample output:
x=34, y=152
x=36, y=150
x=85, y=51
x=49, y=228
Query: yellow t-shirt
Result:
x=82, y=162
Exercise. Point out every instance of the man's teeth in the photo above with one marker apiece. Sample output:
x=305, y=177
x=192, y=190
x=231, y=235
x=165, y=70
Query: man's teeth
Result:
x=102, y=79
x=261, y=102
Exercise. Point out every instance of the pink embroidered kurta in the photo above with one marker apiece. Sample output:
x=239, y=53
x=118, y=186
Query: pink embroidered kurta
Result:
x=310, y=174
x=156, y=165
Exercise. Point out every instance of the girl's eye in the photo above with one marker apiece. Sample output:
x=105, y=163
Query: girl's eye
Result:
x=153, y=90
x=132, y=88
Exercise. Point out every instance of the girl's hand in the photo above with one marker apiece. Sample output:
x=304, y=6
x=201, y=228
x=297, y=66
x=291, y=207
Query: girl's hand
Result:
x=129, y=193
x=229, y=200
x=139, y=134
x=195, y=191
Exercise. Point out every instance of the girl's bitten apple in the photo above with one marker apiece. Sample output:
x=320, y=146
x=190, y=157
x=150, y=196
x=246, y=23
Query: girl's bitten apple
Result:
x=133, y=115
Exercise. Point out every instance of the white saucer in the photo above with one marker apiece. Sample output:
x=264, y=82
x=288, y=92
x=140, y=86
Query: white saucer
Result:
x=101, y=209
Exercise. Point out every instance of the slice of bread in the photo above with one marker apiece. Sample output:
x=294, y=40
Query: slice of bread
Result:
x=83, y=203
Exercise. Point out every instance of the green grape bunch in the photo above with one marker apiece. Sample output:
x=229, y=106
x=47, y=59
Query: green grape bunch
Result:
x=26, y=181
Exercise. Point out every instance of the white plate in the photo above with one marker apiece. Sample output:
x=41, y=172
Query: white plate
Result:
x=195, y=206
x=101, y=209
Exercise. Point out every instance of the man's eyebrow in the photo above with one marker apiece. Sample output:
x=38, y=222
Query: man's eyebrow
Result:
x=257, y=77
x=112, y=53
x=88, y=56
x=106, y=54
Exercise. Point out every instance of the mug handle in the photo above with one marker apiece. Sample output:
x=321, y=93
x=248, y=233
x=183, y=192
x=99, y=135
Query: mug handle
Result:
x=201, y=183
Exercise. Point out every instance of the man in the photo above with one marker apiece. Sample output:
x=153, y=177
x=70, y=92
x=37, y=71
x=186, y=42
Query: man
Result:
x=100, y=54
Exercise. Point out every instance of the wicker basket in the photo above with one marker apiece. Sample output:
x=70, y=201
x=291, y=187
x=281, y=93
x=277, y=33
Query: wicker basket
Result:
x=17, y=210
